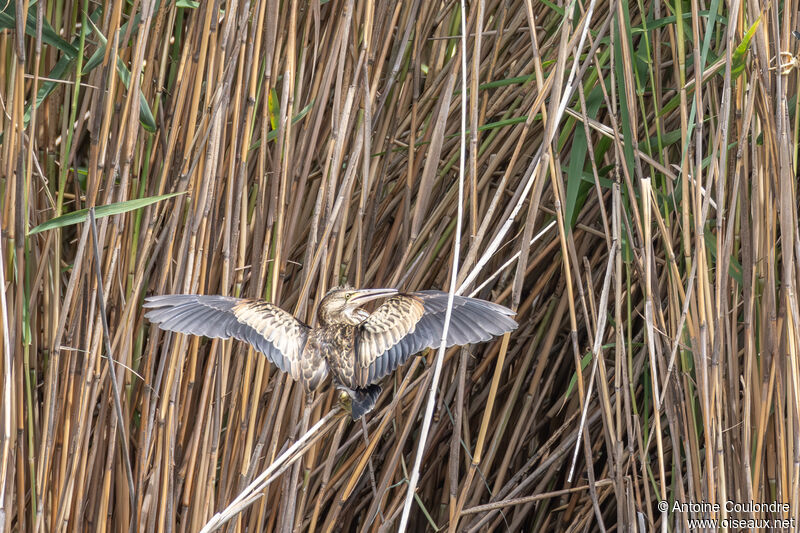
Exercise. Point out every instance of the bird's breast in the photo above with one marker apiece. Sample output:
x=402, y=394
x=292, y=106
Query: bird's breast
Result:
x=337, y=345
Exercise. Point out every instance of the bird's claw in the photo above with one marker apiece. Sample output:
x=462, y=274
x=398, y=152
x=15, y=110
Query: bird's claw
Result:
x=345, y=403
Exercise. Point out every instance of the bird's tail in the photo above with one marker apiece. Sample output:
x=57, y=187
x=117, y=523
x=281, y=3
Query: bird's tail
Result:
x=363, y=400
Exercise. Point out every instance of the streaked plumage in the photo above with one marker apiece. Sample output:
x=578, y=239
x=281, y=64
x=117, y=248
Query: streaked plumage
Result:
x=356, y=347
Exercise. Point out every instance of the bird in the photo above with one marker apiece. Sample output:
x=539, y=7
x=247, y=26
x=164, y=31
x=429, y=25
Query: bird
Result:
x=355, y=347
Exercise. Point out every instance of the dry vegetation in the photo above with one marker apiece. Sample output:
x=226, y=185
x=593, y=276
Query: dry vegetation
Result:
x=316, y=143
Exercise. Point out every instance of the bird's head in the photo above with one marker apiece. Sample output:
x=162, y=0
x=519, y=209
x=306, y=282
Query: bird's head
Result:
x=342, y=304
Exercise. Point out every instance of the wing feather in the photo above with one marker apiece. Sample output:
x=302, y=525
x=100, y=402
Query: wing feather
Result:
x=266, y=327
x=387, y=326
x=409, y=323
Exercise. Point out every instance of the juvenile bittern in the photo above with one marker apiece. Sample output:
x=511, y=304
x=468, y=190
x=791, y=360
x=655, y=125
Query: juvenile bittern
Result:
x=356, y=347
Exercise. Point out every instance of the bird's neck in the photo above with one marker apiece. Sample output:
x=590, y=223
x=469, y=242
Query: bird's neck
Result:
x=352, y=317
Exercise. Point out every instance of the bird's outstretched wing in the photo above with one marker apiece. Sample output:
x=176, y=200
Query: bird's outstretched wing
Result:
x=268, y=328
x=408, y=323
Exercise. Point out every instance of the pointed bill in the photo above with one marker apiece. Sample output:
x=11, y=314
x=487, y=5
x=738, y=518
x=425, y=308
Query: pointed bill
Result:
x=362, y=296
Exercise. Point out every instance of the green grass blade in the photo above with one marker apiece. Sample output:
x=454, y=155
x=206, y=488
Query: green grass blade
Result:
x=8, y=20
x=145, y=114
x=79, y=216
x=576, y=186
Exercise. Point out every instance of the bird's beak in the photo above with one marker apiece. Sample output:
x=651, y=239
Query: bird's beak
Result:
x=363, y=296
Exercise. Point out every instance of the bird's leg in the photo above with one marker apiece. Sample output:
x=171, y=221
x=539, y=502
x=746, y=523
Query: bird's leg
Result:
x=345, y=403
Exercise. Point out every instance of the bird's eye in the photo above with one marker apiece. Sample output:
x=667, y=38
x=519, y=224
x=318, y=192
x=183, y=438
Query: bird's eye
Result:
x=348, y=295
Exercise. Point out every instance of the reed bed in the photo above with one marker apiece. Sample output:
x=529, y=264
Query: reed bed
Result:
x=629, y=189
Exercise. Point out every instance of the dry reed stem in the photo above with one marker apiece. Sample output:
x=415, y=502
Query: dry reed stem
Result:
x=316, y=144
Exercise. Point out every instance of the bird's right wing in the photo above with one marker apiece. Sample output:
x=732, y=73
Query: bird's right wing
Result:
x=408, y=323
x=268, y=328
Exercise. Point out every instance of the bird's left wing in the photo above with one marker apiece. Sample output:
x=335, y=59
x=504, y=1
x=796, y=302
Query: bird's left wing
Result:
x=408, y=323
x=268, y=328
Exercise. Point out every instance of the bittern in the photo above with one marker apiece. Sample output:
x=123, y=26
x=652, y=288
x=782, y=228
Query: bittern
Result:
x=356, y=347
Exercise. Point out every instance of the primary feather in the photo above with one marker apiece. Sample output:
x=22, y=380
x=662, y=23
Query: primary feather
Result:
x=357, y=348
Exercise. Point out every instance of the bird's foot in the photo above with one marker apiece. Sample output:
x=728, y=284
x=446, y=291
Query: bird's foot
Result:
x=346, y=403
